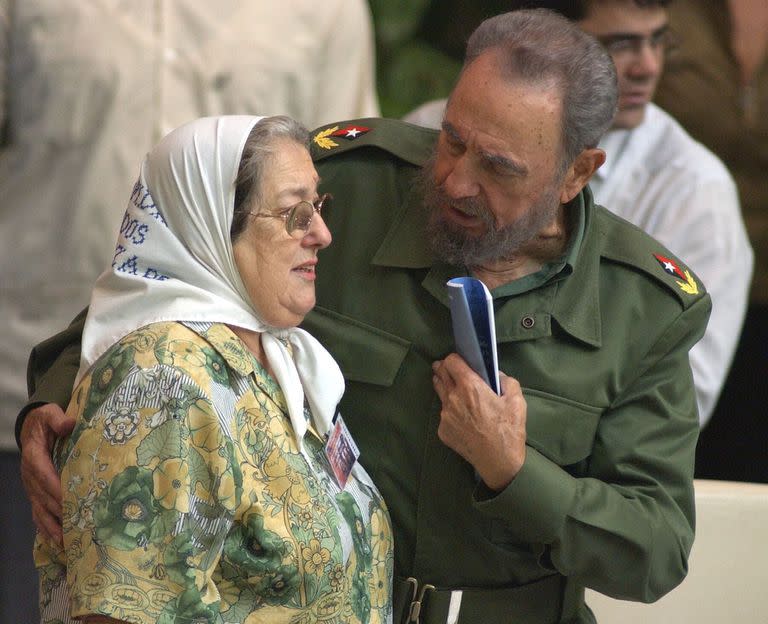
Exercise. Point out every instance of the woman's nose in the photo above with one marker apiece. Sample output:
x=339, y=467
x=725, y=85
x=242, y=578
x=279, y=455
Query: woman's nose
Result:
x=318, y=234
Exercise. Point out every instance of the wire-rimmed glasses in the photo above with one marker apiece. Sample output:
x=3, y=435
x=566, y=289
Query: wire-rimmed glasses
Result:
x=298, y=218
x=630, y=45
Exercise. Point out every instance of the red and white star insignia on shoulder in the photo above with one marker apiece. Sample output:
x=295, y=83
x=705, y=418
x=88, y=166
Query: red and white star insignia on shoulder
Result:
x=351, y=132
x=686, y=282
x=670, y=266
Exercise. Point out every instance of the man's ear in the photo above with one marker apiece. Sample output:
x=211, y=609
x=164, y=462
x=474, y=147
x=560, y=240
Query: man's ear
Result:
x=580, y=171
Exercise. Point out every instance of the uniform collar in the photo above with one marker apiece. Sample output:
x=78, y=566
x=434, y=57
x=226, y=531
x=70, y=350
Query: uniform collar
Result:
x=405, y=244
x=576, y=306
x=566, y=291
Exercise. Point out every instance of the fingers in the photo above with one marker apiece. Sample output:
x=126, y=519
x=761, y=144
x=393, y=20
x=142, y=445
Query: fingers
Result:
x=441, y=380
x=510, y=385
x=454, y=366
x=41, y=481
x=46, y=421
x=62, y=425
x=453, y=370
x=43, y=489
x=487, y=430
x=47, y=524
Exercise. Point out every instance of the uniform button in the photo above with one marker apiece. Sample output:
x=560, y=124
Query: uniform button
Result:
x=528, y=321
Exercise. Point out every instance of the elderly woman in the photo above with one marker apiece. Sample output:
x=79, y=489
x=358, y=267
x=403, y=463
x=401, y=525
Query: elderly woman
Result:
x=197, y=482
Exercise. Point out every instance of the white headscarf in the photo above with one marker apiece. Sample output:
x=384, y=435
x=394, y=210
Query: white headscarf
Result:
x=174, y=262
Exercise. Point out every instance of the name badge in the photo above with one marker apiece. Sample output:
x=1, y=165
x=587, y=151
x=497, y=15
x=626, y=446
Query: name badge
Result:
x=341, y=451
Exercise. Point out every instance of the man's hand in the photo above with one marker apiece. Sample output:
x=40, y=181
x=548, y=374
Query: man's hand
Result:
x=42, y=426
x=485, y=429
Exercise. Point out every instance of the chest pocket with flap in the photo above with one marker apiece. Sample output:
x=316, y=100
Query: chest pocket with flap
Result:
x=560, y=429
x=364, y=353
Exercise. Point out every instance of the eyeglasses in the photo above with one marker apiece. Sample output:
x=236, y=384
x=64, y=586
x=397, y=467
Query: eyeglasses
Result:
x=298, y=218
x=626, y=45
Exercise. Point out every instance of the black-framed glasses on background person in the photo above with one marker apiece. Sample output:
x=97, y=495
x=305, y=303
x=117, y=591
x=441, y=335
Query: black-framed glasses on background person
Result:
x=298, y=218
x=624, y=45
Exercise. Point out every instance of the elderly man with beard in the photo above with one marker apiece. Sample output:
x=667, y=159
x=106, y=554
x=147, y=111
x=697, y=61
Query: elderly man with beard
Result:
x=580, y=474
x=659, y=178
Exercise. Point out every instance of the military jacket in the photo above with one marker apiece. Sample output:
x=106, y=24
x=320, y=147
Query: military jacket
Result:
x=600, y=347
x=599, y=343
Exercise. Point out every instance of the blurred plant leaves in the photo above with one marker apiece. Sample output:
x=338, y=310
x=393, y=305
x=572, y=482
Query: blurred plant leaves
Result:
x=396, y=21
x=420, y=45
x=412, y=75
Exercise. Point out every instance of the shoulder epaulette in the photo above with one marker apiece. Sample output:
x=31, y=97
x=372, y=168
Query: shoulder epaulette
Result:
x=628, y=244
x=412, y=143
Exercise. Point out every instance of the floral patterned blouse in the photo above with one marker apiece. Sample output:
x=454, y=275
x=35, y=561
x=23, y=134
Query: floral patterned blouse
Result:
x=186, y=499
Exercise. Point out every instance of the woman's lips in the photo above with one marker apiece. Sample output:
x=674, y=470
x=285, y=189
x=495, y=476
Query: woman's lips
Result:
x=306, y=270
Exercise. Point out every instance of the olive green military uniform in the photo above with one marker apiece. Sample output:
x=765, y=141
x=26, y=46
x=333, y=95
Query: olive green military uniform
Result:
x=599, y=343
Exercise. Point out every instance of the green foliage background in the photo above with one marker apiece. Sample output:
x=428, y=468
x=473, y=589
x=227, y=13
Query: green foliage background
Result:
x=419, y=47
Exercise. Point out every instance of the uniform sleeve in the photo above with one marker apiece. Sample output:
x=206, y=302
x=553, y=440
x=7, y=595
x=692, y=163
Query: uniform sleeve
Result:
x=52, y=368
x=346, y=71
x=626, y=528
x=150, y=487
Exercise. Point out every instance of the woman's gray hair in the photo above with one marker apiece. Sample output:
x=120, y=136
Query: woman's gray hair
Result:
x=258, y=150
x=540, y=47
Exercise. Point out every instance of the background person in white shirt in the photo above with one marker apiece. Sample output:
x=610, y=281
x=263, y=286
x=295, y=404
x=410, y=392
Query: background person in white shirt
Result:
x=662, y=180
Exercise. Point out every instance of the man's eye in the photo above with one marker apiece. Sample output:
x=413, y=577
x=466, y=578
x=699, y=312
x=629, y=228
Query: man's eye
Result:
x=619, y=45
x=504, y=172
x=455, y=147
x=500, y=169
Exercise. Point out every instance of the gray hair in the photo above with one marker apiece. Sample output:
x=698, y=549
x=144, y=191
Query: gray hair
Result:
x=541, y=47
x=258, y=150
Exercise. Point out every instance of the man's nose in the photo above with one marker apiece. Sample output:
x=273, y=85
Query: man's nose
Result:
x=647, y=59
x=461, y=180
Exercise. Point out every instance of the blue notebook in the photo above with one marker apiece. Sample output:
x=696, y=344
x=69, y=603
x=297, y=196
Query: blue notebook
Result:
x=474, y=328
